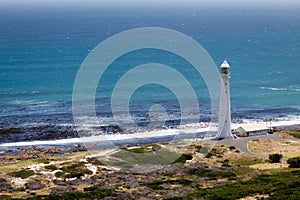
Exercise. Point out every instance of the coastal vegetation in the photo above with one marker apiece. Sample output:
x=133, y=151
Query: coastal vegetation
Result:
x=23, y=173
x=294, y=162
x=192, y=170
x=275, y=158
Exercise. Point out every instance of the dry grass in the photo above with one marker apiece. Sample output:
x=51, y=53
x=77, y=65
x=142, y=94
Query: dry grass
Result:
x=265, y=166
x=287, y=147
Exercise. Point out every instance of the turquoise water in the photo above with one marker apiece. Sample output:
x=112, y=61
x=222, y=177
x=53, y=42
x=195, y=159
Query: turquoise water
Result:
x=40, y=53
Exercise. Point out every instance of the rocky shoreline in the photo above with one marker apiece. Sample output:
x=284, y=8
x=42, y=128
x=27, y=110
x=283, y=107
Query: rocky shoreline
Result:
x=12, y=154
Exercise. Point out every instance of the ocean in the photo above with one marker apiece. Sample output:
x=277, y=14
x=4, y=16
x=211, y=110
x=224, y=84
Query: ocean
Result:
x=42, y=50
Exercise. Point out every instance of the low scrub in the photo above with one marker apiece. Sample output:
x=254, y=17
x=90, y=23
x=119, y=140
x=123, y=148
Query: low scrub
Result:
x=275, y=158
x=294, y=162
x=284, y=185
x=294, y=132
x=156, y=185
x=22, y=173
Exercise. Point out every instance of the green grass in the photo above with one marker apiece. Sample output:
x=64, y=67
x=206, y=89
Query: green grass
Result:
x=126, y=159
x=183, y=158
x=204, y=149
x=144, y=148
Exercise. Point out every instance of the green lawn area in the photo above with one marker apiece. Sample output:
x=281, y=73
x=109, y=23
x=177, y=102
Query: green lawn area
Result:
x=126, y=159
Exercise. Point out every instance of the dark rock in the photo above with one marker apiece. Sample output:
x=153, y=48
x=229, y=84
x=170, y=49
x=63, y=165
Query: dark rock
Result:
x=97, y=178
x=143, y=192
x=4, y=186
x=114, y=174
x=2, y=180
x=171, y=169
x=34, y=185
x=119, y=195
x=104, y=186
x=133, y=184
x=62, y=190
x=59, y=182
x=79, y=182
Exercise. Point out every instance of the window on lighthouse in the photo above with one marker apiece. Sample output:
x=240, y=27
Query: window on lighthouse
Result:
x=225, y=71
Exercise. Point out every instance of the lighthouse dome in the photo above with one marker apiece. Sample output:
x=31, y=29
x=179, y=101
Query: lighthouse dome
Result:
x=225, y=64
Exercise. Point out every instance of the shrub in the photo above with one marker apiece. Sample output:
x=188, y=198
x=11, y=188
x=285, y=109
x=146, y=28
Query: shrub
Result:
x=209, y=155
x=294, y=162
x=59, y=174
x=74, y=170
x=156, y=185
x=23, y=173
x=295, y=133
x=232, y=147
x=226, y=165
x=51, y=167
x=44, y=160
x=275, y=158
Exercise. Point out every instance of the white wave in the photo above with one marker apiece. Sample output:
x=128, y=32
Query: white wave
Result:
x=280, y=89
x=33, y=103
x=45, y=142
x=193, y=128
x=296, y=89
x=35, y=92
x=273, y=88
x=22, y=102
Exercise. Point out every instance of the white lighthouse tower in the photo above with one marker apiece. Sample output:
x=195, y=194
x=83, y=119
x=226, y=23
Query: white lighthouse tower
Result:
x=224, y=130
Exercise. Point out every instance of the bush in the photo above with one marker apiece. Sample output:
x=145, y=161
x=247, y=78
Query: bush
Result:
x=294, y=162
x=275, y=158
x=59, y=174
x=209, y=155
x=232, y=147
x=295, y=133
x=23, y=173
x=43, y=160
x=51, y=167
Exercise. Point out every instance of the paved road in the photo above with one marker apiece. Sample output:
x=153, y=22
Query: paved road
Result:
x=242, y=143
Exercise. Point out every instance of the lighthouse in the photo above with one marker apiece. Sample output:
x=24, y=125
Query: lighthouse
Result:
x=224, y=129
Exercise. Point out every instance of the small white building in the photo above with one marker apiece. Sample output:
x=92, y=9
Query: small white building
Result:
x=251, y=130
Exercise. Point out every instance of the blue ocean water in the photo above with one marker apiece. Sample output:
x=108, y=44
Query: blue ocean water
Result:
x=41, y=52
